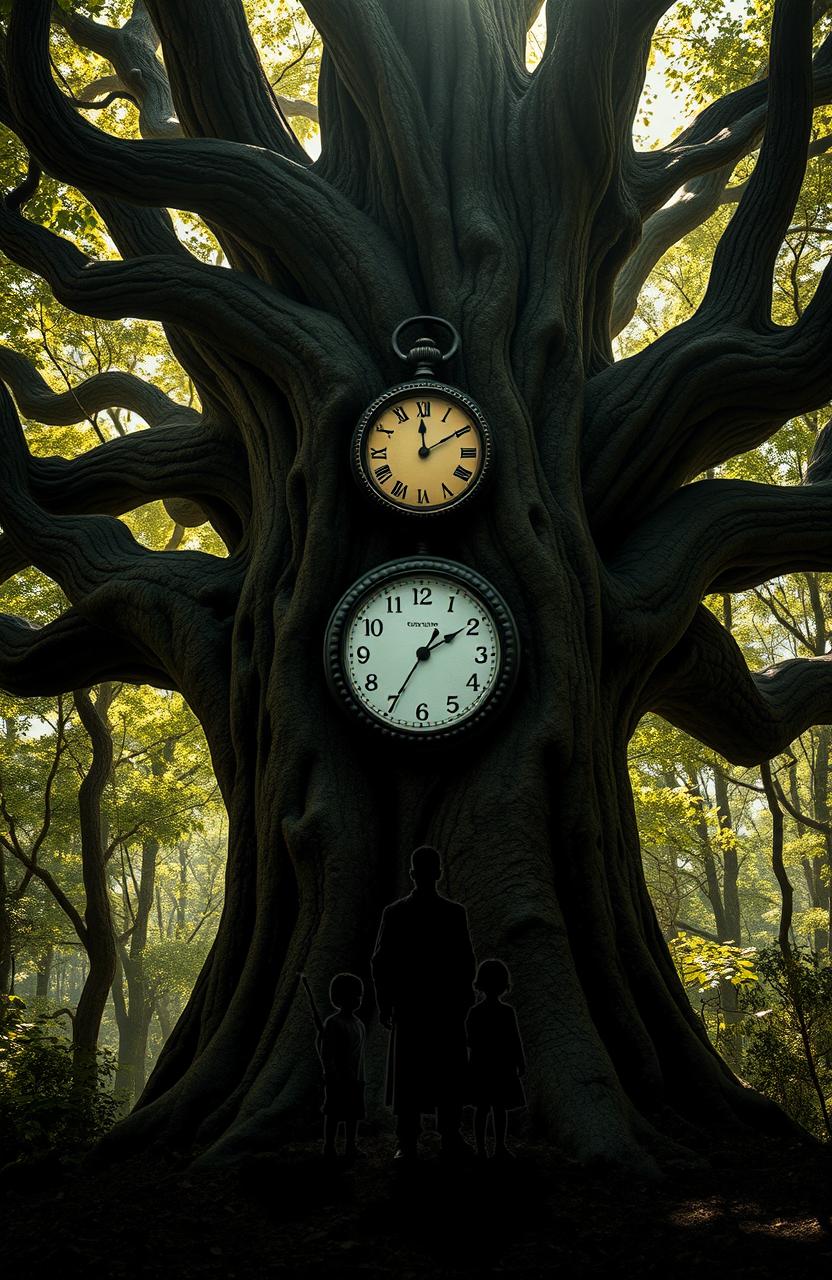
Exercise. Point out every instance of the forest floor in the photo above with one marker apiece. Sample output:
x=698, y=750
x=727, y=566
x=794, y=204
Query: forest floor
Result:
x=759, y=1210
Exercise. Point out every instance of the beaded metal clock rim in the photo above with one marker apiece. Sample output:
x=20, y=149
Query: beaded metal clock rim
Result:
x=347, y=607
x=366, y=420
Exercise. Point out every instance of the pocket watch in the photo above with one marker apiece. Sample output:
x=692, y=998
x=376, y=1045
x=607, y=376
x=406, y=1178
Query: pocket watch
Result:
x=422, y=649
x=423, y=448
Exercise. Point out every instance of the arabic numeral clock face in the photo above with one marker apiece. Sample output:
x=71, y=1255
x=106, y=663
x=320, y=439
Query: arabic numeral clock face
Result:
x=422, y=448
x=422, y=649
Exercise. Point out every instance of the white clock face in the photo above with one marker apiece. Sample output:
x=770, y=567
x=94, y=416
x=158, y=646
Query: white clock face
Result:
x=421, y=652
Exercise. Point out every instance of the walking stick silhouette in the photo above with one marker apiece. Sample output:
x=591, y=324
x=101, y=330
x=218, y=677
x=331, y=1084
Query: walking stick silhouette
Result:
x=316, y=1017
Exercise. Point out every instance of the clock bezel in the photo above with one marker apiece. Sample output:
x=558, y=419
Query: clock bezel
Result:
x=367, y=420
x=489, y=597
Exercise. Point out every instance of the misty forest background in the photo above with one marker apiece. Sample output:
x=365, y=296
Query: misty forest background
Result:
x=737, y=861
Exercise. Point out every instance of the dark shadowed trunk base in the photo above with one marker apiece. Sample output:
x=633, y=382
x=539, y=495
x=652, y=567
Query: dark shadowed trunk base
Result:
x=536, y=826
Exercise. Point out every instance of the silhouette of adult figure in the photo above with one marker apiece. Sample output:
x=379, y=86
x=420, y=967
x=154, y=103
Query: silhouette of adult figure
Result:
x=423, y=969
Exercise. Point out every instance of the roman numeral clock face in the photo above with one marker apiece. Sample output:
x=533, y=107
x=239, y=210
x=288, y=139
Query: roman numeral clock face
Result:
x=422, y=649
x=422, y=448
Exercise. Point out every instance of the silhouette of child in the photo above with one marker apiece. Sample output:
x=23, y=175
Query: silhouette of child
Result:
x=496, y=1056
x=341, y=1050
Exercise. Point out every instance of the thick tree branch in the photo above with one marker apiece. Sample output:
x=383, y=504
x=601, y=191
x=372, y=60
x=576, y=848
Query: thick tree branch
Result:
x=741, y=276
x=704, y=687
x=725, y=131
x=93, y=90
x=695, y=203
x=81, y=554
x=185, y=462
x=710, y=389
x=40, y=662
x=131, y=50
x=291, y=343
x=697, y=396
x=138, y=232
x=333, y=252
x=36, y=399
x=218, y=84
x=115, y=583
x=370, y=62
x=572, y=90
x=716, y=536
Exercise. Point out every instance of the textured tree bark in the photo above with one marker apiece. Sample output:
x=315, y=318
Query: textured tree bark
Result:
x=453, y=181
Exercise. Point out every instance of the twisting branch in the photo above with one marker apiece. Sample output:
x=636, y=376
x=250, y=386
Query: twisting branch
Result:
x=717, y=536
x=571, y=92
x=695, y=203
x=103, y=84
x=704, y=687
x=131, y=51
x=36, y=399
x=721, y=135
x=17, y=198
x=372, y=65
x=291, y=343
x=80, y=554
x=332, y=251
x=184, y=462
x=218, y=83
x=741, y=276
x=112, y=580
x=120, y=591
x=99, y=104
x=697, y=396
x=774, y=373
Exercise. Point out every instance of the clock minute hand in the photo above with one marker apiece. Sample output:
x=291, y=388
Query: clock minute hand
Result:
x=445, y=439
x=422, y=653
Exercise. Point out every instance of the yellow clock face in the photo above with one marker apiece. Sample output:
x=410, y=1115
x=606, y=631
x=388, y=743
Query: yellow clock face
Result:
x=423, y=449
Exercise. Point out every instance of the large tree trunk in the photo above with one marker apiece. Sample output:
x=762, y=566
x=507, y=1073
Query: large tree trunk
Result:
x=536, y=826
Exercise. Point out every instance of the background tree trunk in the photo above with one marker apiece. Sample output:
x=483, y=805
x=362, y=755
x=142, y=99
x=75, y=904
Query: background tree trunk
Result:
x=5, y=929
x=99, y=941
x=44, y=973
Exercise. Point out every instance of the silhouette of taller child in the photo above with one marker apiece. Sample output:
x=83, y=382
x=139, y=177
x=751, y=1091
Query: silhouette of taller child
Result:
x=423, y=970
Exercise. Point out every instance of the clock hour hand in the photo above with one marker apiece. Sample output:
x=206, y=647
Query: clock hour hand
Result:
x=452, y=635
x=422, y=653
x=423, y=448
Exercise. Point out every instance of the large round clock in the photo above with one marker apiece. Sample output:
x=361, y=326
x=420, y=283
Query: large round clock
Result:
x=422, y=448
x=422, y=648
